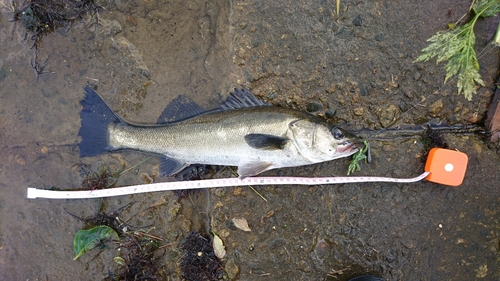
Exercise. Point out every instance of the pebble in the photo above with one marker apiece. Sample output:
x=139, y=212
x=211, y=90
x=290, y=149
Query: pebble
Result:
x=322, y=249
x=386, y=117
x=357, y=21
x=436, y=107
x=232, y=269
x=330, y=113
x=314, y=106
x=220, y=192
x=363, y=91
x=359, y=111
x=344, y=33
x=276, y=243
x=173, y=210
x=303, y=266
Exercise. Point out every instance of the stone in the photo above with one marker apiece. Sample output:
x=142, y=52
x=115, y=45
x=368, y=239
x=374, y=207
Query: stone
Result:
x=232, y=269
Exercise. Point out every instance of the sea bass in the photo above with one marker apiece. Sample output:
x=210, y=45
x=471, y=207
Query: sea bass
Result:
x=244, y=131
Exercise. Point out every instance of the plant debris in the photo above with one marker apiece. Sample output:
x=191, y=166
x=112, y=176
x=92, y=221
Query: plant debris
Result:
x=100, y=179
x=139, y=259
x=432, y=139
x=456, y=46
x=199, y=261
x=110, y=219
x=218, y=245
x=41, y=17
x=241, y=224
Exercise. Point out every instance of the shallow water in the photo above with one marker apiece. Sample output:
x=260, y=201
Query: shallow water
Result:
x=358, y=63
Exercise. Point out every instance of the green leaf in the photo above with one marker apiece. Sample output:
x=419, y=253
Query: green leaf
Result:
x=486, y=8
x=467, y=79
x=86, y=240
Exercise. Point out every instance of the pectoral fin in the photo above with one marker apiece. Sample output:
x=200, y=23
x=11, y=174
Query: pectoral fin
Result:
x=248, y=169
x=263, y=141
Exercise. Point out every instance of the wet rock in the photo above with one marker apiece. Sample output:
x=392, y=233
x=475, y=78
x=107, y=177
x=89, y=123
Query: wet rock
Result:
x=230, y=225
x=379, y=37
x=357, y=21
x=314, y=106
x=436, y=107
x=390, y=258
x=416, y=75
x=363, y=91
x=220, y=192
x=477, y=216
x=403, y=106
x=130, y=52
x=345, y=33
x=272, y=95
x=276, y=243
x=248, y=76
x=173, y=210
x=114, y=28
x=303, y=266
x=322, y=249
x=330, y=113
x=386, y=117
x=109, y=28
x=359, y=111
x=232, y=269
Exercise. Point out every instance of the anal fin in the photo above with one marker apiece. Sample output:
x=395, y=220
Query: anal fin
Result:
x=252, y=168
x=170, y=167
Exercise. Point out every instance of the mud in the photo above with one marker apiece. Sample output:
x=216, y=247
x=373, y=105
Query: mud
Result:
x=354, y=68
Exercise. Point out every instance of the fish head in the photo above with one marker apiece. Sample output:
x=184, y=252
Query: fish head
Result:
x=321, y=141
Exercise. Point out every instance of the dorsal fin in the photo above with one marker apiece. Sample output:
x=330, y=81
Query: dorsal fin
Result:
x=179, y=109
x=182, y=107
x=241, y=98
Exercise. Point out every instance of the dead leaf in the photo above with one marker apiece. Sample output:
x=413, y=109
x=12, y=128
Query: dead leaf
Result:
x=241, y=224
x=219, y=248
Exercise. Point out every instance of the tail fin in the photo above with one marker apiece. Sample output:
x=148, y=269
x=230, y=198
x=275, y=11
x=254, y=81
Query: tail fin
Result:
x=95, y=118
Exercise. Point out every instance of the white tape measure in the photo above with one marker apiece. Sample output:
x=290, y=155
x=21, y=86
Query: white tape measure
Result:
x=164, y=186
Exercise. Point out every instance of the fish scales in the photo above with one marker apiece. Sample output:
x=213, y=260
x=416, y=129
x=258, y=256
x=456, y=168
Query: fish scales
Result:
x=216, y=138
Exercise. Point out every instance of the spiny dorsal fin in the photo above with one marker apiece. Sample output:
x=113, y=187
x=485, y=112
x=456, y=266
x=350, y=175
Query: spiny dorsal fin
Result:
x=241, y=98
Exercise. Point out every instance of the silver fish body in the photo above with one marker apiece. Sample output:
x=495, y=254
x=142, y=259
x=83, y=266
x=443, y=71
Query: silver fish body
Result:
x=253, y=137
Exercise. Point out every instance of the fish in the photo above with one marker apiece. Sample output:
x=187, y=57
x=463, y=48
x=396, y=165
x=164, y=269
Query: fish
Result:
x=244, y=131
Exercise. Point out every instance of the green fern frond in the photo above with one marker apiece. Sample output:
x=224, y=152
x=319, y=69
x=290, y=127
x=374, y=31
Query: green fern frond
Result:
x=456, y=48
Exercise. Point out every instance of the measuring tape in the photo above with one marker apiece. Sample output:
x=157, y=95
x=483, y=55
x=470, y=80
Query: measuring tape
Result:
x=443, y=166
x=165, y=186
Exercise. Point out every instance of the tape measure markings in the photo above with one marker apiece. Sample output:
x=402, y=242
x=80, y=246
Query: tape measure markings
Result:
x=33, y=193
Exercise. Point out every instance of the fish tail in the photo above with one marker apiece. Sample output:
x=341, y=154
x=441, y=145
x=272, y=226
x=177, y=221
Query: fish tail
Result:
x=95, y=119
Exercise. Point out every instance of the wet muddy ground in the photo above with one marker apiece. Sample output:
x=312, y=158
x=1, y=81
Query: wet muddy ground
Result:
x=354, y=68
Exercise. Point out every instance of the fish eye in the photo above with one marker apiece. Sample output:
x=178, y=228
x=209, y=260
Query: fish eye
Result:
x=337, y=133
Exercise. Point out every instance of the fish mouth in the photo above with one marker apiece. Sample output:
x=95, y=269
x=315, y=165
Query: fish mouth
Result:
x=350, y=148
